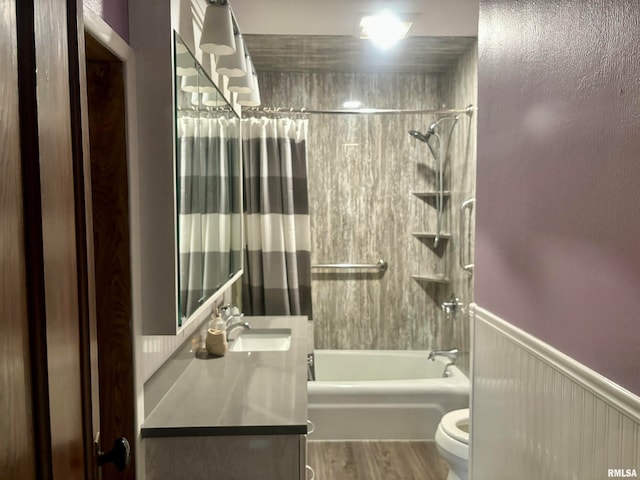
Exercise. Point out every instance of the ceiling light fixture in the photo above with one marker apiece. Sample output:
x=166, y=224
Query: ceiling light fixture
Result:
x=243, y=84
x=217, y=30
x=352, y=104
x=251, y=99
x=221, y=37
x=233, y=65
x=384, y=29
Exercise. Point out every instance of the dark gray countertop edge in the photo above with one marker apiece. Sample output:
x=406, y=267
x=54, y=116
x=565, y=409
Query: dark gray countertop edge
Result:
x=158, y=432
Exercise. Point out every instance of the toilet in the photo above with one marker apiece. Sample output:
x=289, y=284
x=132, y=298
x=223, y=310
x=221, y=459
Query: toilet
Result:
x=452, y=441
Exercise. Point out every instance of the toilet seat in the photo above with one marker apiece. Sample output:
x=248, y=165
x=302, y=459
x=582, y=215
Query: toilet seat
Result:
x=453, y=422
x=452, y=442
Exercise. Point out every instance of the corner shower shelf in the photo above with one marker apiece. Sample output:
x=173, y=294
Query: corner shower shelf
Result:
x=431, y=278
x=443, y=236
x=426, y=195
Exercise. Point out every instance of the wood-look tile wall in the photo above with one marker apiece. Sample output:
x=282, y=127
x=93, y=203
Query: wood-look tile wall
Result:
x=362, y=170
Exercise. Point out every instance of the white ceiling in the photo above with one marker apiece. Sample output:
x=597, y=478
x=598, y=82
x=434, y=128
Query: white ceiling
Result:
x=342, y=17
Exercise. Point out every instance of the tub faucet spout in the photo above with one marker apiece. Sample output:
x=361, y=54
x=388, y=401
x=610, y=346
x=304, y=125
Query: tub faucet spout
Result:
x=451, y=354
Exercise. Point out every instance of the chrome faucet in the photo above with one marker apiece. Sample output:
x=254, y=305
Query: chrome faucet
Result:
x=229, y=313
x=452, y=305
x=235, y=325
x=451, y=354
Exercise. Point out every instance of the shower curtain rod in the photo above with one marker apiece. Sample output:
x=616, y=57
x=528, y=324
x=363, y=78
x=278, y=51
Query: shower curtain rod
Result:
x=360, y=111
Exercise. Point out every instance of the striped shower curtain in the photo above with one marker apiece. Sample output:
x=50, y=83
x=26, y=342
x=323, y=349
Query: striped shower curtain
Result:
x=277, y=278
x=204, y=208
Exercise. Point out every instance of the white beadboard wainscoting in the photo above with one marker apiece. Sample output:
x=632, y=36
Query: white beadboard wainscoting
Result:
x=539, y=414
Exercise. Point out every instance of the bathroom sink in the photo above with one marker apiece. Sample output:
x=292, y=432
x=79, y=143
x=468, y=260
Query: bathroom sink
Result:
x=262, y=340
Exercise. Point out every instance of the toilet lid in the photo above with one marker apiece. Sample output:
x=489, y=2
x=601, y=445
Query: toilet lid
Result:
x=456, y=425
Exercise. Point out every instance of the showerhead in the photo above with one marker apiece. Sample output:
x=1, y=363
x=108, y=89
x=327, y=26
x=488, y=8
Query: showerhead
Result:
x=423, y=137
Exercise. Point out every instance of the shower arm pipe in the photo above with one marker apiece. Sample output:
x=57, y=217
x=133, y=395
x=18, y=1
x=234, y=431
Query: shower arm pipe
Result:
x=361, y=111
x=439, y=198
x=444, y=149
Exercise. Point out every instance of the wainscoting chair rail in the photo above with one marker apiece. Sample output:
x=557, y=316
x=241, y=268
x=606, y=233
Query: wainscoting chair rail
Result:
x=381, y=266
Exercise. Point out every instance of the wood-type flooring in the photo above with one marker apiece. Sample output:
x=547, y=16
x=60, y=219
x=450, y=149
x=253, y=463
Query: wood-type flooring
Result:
x=376, y=460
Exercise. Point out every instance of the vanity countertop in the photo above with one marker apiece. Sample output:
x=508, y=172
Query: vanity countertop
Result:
x=242, y=393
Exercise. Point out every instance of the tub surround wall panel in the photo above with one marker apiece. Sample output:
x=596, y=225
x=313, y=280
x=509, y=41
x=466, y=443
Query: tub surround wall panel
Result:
x=461, y=89
x=558, y=224
x=537, y=413
x=362, y=170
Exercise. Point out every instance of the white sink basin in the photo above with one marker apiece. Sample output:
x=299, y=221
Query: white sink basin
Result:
x=262, y=340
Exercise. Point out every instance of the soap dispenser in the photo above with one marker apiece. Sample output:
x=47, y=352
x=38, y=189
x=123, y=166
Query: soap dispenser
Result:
x=218, y=323
x=217, y=335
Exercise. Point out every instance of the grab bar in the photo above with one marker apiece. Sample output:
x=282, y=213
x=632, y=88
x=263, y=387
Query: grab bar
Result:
x=465, y=233
x=381, y=266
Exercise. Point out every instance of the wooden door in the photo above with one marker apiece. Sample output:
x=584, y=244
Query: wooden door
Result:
x=17, y=443
x=110, y=207
x=63, y=237
x=48, y=341
x=53, y=351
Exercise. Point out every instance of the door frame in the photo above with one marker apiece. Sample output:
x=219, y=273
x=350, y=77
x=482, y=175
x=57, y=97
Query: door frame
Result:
x=95, y=26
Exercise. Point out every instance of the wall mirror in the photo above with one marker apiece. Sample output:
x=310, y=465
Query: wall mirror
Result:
x=208, y=187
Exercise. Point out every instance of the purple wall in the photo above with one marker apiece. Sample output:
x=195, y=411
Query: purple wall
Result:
x=113, y=12
x=558, y=182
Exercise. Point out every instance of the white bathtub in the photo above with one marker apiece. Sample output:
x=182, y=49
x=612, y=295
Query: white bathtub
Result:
x=382, y=394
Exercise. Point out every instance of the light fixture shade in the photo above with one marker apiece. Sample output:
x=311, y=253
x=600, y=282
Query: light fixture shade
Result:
x=180, y=47
x=217, y=30
x=208, y=88
x=242, y=84
x=233, y=65
x=251, y=99
x=190, y=84
x=185, y=65
x=213, y=100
